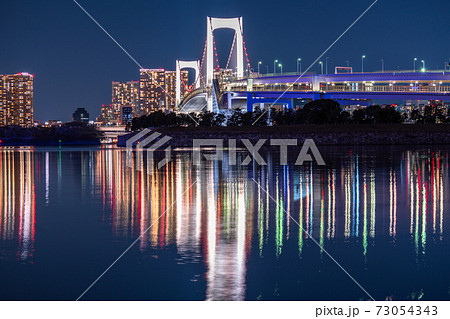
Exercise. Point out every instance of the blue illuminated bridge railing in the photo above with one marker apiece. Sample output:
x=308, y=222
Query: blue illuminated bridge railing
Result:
x=350, y=77
x=396, y=85
x=346, y=88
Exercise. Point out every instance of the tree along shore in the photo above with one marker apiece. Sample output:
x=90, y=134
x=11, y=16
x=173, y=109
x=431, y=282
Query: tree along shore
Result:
x=66, y=134
x=316, y=112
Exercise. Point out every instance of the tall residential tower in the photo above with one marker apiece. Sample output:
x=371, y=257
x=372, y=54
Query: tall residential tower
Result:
x=124, y=94
x=16, y=99
x=157, y=89
x=152, y=87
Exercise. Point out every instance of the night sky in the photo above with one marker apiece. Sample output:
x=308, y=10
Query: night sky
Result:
x=74, y=61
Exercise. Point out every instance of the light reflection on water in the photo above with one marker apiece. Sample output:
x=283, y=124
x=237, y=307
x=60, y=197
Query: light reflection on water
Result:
x=17, y=202
x=216, y=215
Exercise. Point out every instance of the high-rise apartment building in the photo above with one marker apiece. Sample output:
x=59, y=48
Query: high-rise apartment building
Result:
x=170, y=87
x=16, y=99
x=124, y=94
x=157, y=89
x=106, y=114
x=126, y=115
x=152, y=87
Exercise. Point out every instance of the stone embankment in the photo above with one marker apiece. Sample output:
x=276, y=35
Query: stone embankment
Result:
x=396, y=134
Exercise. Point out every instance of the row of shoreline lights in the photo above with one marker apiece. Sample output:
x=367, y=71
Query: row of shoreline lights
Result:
x=299, y=63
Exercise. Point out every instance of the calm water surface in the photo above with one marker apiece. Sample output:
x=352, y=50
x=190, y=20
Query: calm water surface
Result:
x=211, y=232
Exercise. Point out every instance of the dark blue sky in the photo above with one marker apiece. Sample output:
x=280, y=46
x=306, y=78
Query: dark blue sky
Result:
x=74, y=62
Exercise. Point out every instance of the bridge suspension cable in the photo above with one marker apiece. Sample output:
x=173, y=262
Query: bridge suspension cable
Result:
x=245, y=49
x=203, y=59
x=231, y=51
x=215, y=49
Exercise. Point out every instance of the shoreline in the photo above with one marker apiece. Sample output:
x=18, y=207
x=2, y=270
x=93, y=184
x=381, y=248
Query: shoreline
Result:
x=324, y=135
x=72, y=133
x=341, y=134
x=20, y=143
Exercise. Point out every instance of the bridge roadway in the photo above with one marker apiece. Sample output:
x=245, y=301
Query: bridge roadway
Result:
x=350, y=87
x=354, y=86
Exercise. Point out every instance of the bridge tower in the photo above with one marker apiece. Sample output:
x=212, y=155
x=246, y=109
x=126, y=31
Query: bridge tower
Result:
x=195, y=65
x=224, y=23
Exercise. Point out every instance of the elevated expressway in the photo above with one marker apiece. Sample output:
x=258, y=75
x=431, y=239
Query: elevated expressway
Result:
x=346, y=88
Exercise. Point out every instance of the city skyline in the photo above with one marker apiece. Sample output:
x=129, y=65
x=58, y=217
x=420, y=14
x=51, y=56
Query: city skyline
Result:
x=85, y=59
x=225, y=151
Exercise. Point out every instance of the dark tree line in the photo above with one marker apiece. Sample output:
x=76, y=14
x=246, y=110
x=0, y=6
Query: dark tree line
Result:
x=67, y=132
x=432, y=114
x=237, y=118
x=161, y=119
x=316, y=112
x=322, y=111
x=375, y=114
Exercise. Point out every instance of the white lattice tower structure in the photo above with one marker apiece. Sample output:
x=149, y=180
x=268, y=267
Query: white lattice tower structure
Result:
x=224, y=23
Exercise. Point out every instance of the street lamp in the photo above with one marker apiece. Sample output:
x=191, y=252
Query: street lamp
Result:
x=299, y=61
x=423, y=66
x=267, y=69
x=259, y=63
x=348, y=63
x=415, y=59
x=362, y=63
x=274, y=66
x=281, y=68
x=382, y=66
x=326, y=65
x=321, y=66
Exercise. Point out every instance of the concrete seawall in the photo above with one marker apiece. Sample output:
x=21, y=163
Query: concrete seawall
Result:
x=396, y=134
